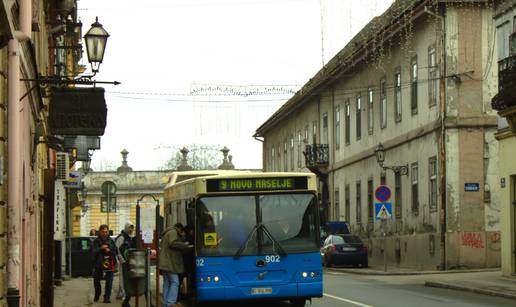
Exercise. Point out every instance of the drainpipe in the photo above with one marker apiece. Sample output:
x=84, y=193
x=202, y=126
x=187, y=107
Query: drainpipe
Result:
x=14, y=150
x=331, y=160
x=443, y=103
x=442, y=138
x=256, y=137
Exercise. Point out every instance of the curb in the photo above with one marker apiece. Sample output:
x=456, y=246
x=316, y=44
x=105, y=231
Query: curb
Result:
x=468, y=289
x=398, y=273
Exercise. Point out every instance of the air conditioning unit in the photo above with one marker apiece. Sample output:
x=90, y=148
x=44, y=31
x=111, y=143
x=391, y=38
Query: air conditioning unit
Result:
x=62, y=166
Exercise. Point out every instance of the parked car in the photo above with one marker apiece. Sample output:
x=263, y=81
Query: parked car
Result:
x=344, y=249
x=333, y=227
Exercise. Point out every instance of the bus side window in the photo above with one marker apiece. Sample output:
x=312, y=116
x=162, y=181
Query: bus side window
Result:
x=178, y=206
x=190, y=213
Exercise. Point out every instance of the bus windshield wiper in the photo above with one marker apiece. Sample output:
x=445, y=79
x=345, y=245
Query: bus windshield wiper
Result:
x=281, y=250
x=275, y=242
x=243, y=247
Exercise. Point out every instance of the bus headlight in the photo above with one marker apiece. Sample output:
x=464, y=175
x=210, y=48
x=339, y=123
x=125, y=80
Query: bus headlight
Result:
x=216, y=279
x=304, y=274
x=312, y=274
x=208, y=279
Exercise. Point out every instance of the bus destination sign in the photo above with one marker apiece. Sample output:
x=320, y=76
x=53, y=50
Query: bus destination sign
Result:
x=257, y=184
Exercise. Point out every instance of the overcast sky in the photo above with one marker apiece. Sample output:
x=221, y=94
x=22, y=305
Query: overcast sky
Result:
x=167, y=53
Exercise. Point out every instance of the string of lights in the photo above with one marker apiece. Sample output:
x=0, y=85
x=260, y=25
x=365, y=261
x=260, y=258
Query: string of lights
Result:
x=192, y=99
x=347, y=92
x=241, y=90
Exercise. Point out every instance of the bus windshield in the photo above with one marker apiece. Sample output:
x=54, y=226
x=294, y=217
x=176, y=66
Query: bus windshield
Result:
x=256, y=224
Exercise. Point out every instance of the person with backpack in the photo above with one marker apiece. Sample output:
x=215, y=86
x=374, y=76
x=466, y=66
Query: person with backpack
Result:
x=124, y=241
x=104, y=253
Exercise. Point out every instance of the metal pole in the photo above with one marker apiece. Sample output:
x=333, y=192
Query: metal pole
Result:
x=384, y=222
x=148, y=296
x=108, y=204
x=136, y=297
x=69, y=228
x=158, y=233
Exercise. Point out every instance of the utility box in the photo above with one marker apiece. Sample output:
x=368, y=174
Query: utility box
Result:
x=82, y=258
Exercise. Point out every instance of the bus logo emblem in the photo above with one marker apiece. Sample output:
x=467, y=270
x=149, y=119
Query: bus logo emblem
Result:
x=261, y=275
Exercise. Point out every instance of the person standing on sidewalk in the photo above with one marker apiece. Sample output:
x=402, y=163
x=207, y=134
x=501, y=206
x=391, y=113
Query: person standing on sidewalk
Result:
x=104, y=256
x=124, y=241
x=171, y=264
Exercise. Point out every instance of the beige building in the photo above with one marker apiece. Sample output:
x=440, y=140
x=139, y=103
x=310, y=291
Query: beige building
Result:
x=505, y=103
x=417, y=79
x=132, y=187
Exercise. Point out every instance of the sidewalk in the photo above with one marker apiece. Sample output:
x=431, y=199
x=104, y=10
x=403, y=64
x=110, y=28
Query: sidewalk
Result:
x=482, y=281
x=78, y=292
x=379, y=270
x=490, y=283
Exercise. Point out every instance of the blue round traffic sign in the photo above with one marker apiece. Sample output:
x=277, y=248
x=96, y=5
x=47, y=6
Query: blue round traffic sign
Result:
x=383, y=193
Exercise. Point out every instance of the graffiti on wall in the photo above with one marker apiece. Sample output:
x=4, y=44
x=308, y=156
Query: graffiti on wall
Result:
x=472, y=239
x=495, y=237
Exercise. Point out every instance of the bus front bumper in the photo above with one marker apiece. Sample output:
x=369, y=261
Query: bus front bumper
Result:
x=285, y=291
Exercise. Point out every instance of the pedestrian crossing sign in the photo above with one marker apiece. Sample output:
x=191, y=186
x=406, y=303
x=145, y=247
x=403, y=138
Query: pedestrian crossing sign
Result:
x=383, y=211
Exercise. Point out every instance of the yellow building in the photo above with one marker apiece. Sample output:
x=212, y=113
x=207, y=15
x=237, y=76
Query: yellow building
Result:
x=132, y=188
x=505, y=103
x=507, y=151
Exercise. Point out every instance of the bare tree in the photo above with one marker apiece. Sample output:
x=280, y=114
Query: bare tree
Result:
x=104, y=166
x=200, y=156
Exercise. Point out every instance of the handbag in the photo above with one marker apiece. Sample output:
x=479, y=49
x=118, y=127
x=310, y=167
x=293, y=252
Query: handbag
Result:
x=108, y=263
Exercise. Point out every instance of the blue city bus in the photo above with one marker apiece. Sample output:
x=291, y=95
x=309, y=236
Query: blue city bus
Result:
x=256, y=235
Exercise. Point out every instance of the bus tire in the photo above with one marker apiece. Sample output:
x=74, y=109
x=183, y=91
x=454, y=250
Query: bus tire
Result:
x=298, y=302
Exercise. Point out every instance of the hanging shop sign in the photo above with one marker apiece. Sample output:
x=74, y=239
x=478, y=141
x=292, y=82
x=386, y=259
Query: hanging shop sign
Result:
x=78, y=111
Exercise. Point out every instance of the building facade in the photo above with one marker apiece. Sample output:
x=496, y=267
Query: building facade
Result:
x=39, y=45
x=132, y=188
x=505, y=102
x=417, y=79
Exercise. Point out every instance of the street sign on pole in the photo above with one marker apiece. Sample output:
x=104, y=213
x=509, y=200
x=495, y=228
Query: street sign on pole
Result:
x=383, y=193
x=108, y=189
x=383, y=211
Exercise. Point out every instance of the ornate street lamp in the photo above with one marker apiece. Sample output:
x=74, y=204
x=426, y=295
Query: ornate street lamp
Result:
x=84, y=195
x=96, y=39
x=86, y=166
x=380, y=154
x=380, y=159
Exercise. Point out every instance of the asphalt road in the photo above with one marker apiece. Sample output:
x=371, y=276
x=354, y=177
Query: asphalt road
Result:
x=357, y=290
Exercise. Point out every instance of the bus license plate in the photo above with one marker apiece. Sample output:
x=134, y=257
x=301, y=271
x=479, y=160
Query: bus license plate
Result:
x=255, y=291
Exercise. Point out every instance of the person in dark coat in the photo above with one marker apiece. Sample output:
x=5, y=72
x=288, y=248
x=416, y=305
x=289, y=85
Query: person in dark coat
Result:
x=105, y=255
x=171, y=250
x=189, y=263
x=124, y=241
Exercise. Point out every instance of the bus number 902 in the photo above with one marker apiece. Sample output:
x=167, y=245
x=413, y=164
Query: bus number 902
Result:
x=272, y=258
